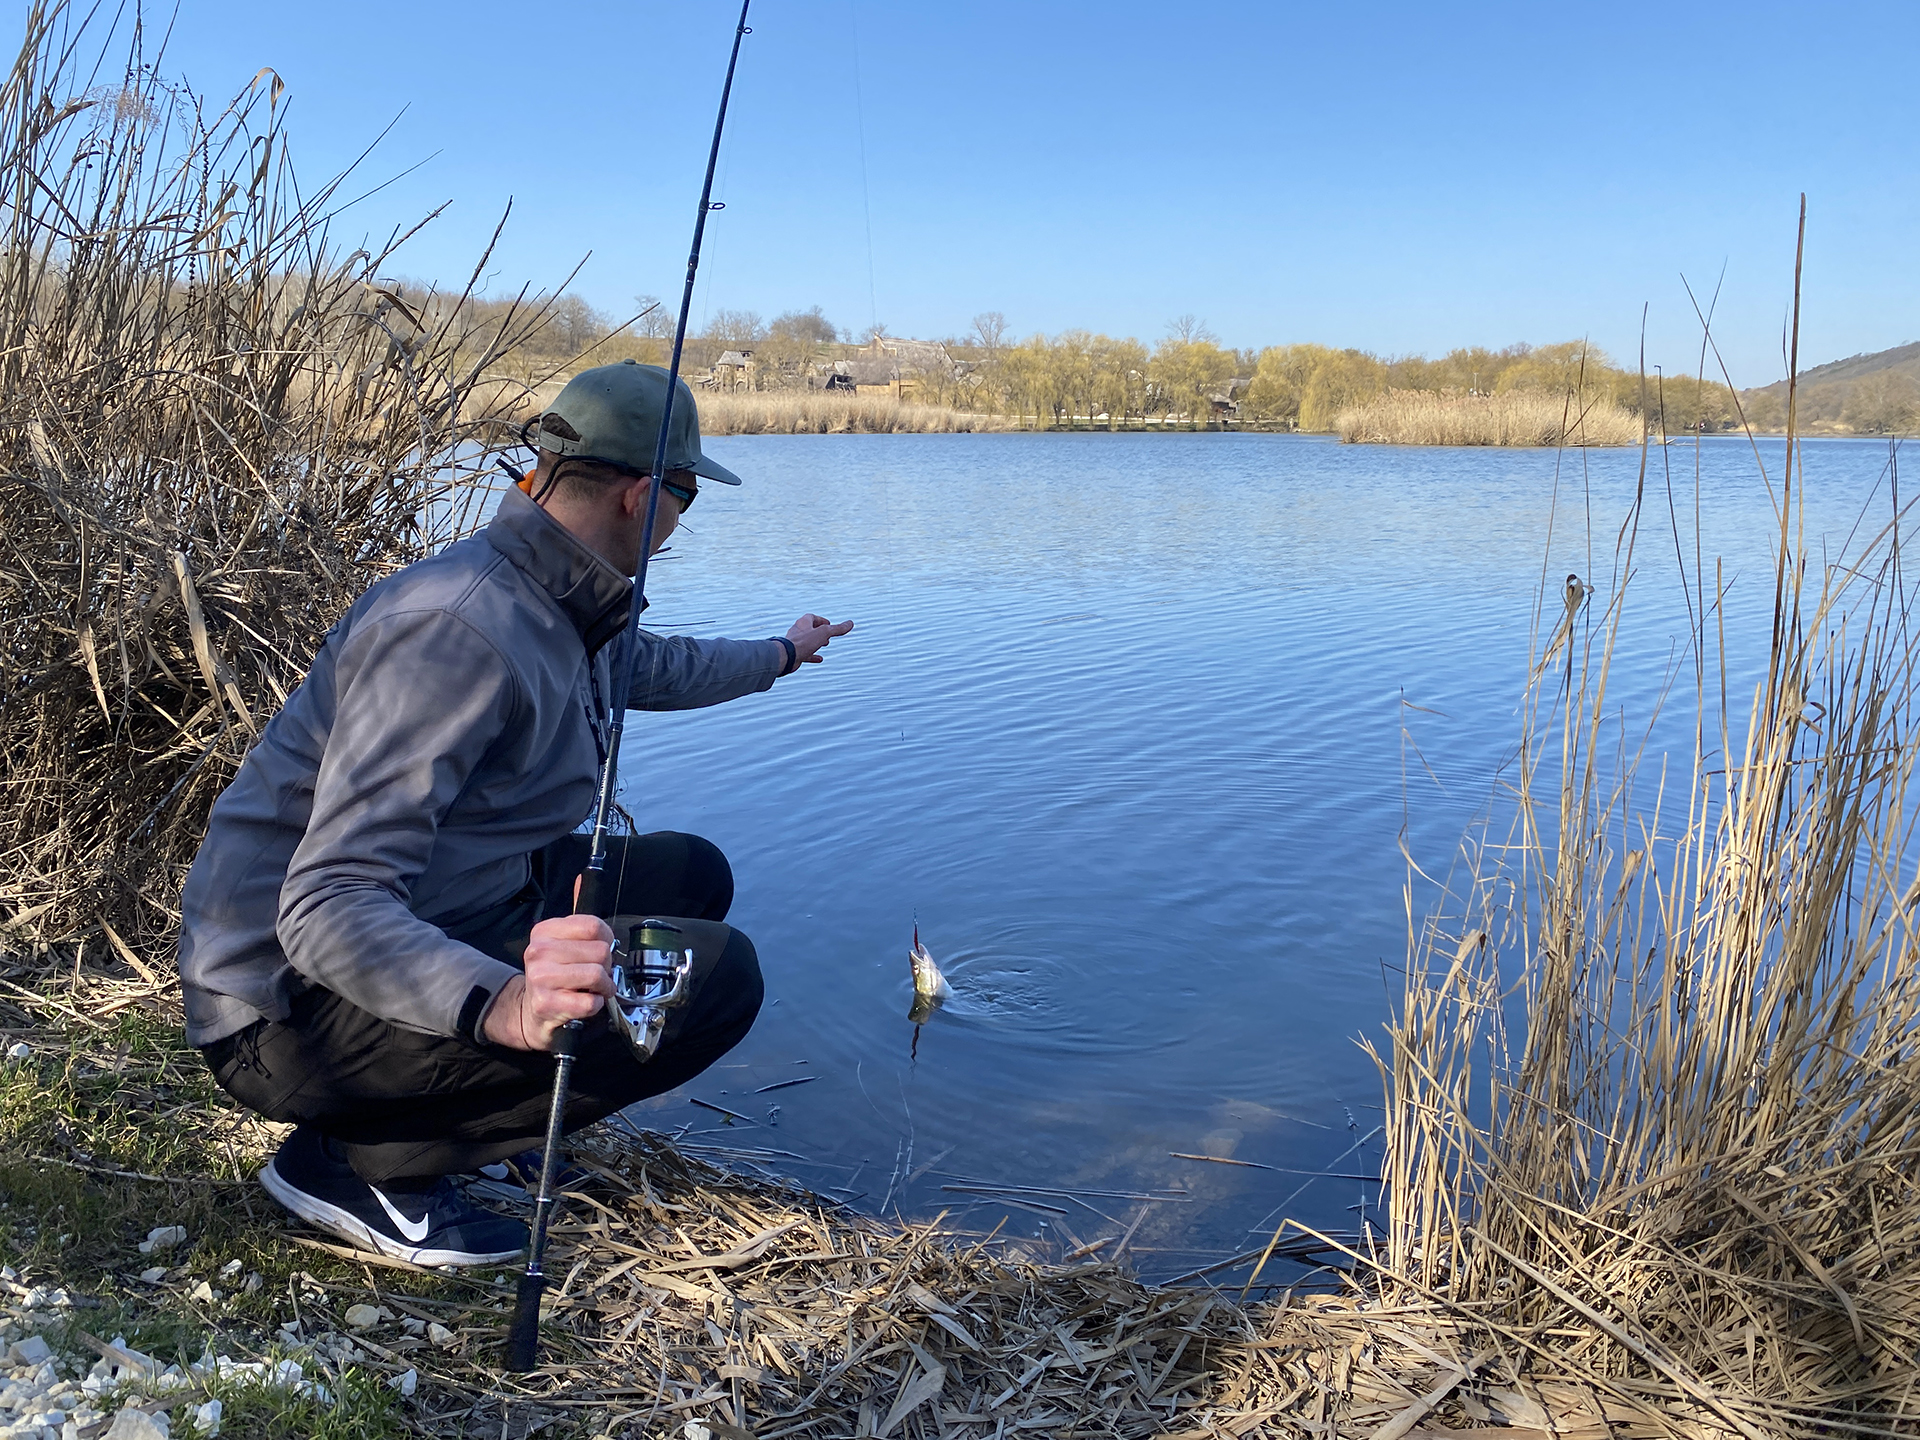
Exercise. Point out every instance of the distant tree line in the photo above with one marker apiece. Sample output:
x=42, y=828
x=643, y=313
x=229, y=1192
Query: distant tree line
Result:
x=1082, y=377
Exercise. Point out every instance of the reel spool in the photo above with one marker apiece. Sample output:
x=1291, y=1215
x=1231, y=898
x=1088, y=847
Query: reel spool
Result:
x=651, y=970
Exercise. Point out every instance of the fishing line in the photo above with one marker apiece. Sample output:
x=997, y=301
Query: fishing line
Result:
x=706, y=302
x=886, y=488
x=860, y=129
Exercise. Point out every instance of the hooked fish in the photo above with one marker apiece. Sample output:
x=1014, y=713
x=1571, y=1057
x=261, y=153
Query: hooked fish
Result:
x=930, y=988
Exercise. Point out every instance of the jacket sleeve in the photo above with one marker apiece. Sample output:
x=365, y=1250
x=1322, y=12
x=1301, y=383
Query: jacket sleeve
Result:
x=421, y=696
x=677, y=672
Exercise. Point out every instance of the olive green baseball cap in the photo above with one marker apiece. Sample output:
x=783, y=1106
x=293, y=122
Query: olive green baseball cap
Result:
x=612, y=413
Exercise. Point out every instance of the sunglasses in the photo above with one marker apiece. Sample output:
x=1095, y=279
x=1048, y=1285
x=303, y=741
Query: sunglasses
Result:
x=683, y=493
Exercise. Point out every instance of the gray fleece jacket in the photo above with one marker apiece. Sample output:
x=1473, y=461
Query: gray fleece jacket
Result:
x=447, y=729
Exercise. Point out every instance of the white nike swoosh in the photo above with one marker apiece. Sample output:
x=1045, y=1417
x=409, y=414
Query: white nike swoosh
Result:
x=414, y=1230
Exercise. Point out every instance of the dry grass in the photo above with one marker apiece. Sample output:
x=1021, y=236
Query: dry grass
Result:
x=821, y=413
x=1514, y=417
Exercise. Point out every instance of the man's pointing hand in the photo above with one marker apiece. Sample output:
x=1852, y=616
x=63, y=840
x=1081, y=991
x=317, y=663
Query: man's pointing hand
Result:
x=810, y=634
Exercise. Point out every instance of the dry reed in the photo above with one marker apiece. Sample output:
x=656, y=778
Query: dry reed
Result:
x=1681, y=1173
x=1513, y=417
x=783, y=412
x=215, y=431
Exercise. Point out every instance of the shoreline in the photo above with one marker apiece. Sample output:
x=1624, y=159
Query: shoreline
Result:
x=691, y=1293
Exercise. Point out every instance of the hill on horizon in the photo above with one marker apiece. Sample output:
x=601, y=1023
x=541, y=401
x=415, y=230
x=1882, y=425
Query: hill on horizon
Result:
x=1870, y=394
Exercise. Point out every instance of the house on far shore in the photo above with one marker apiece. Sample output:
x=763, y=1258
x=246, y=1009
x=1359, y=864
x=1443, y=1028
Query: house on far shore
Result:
x=732, y=373
x=837, y=377
x=1225, y=404
x=884, y=366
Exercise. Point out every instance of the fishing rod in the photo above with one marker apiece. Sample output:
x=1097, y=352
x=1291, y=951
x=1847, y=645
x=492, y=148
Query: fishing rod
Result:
x=654, y=942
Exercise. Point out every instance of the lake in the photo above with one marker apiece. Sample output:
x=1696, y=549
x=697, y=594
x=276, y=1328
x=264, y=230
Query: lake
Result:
x=1127, y=725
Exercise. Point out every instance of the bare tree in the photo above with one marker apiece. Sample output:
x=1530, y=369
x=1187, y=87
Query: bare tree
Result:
x=990, y=326
x=809, y=327
x=1189, y=331
x=656, y=321
x=736, y=327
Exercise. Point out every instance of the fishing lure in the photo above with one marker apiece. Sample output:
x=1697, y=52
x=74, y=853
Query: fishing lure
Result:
x=930, y=988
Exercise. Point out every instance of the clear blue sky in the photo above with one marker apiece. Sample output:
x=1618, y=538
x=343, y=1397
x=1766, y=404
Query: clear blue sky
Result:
x=1402, y=177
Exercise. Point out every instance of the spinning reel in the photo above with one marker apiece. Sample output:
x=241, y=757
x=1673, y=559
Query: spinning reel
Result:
x=651, y=969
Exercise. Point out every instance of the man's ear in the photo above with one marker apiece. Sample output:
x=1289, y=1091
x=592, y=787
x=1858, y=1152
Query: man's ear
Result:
x=633, y=497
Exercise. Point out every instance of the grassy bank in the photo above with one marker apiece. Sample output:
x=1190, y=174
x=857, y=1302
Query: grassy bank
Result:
x=1516, y=417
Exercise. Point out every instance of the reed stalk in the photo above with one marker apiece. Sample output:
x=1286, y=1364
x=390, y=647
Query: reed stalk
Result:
x=1652, y=1087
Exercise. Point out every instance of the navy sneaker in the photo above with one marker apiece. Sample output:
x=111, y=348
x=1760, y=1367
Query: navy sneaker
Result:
x=524, y=1170
x=439, y=1226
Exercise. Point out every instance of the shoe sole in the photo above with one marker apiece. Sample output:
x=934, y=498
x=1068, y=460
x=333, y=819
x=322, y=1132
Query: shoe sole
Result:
x=348, y=1226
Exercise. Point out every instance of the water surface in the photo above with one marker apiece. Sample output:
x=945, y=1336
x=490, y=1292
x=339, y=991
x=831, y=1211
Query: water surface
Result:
x=1125, y=723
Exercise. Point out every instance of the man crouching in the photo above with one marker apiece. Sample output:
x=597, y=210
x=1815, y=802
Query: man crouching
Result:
x=376, y=941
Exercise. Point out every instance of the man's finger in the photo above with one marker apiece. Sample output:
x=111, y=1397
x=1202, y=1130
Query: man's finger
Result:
x=842, y=628
x=566, y=1005
x=573, y=927
x=572, y=975
x=544, y=956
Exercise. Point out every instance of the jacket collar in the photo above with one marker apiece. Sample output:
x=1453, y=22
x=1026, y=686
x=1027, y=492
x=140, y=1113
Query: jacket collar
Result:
x=589, y=591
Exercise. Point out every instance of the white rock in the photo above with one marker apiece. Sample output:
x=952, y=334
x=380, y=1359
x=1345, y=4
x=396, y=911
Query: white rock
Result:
x=42, y=1298
x=362, y=1317
x=155, y=1275
x=440, y=1335
x=414, y=1325
x=254, y=1281
x=204, y=1293
x=133, y=1423
x=163, y=1237
x=231, y=1269
x=207, y=1418
x=20, y=1050
x=406, y=1384
x=31, y=1351
x=694, y=1430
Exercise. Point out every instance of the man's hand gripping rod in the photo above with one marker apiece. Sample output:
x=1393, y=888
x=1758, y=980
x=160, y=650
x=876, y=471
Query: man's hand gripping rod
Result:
x=655, y=991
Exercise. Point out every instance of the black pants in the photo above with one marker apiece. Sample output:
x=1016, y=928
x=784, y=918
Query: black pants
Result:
x=410, y=1107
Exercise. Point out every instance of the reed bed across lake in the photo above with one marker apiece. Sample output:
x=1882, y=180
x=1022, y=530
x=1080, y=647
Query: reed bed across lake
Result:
x=819, y=412
x=1515, y=417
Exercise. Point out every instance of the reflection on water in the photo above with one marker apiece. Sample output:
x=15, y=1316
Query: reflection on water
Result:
x=1127, y=723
